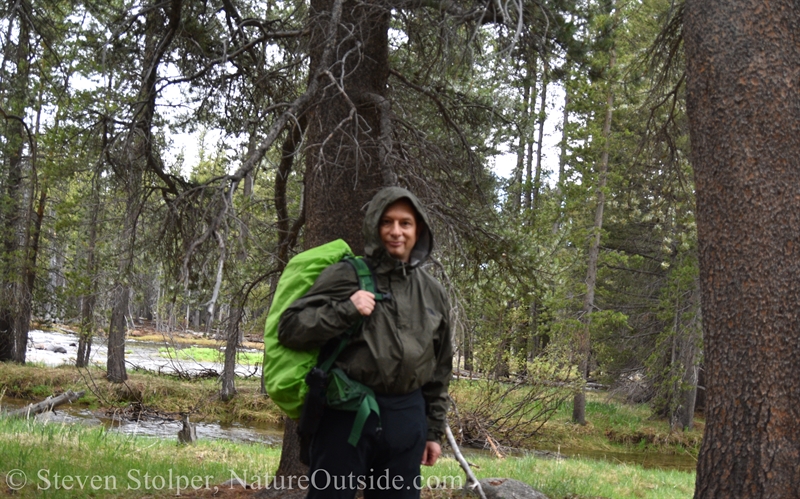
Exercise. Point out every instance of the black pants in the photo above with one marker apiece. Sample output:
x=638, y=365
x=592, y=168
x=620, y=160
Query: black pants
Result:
x=385, y=464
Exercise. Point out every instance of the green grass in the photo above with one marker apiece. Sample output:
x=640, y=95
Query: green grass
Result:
x=66, y=461
x=76, y=461
x=204, y=354
x=581, y=478
x=613, y=427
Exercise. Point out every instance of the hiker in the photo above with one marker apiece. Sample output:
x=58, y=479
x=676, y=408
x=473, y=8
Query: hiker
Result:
x=403, y=352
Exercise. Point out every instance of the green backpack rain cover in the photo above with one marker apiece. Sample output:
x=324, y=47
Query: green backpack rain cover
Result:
x=285, y=369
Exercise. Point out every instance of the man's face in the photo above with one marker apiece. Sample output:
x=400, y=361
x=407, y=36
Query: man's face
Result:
x=398, y=229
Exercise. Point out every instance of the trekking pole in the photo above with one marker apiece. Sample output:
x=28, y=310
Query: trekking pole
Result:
x=474, y=483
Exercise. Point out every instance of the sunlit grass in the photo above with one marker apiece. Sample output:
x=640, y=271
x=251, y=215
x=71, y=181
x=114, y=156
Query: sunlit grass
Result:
x=203, y=354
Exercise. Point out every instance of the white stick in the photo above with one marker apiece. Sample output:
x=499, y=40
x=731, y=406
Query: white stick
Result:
x=474, y=483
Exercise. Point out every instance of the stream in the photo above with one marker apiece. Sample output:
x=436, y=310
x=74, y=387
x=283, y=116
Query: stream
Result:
x=145, y=355
x=54, y=349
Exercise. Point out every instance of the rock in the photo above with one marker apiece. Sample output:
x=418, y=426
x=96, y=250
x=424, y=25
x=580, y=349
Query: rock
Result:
x=507, y=488
x=49, y=347
x=44, y=417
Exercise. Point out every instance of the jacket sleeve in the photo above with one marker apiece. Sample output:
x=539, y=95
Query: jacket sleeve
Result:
x=435, y=391
x=324, y=312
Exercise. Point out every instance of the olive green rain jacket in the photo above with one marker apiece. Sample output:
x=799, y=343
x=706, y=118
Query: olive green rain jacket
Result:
x=405, y=343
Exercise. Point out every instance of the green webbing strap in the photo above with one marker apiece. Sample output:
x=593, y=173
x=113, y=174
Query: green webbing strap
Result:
x=365, y=279
x=368, y=405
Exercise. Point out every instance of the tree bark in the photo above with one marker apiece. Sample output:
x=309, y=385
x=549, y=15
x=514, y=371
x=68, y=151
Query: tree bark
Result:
x=530, y=104
x=562, y=157
x=343, y=169
x=743, y=73
x=228, y=378
x=233, y=336
x=117, y=328
x=517, y=191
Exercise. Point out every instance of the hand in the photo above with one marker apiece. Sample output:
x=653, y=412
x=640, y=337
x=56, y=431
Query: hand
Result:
x=432, y=452
x=364, y=301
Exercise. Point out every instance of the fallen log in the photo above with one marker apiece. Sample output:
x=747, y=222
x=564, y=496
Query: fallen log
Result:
x=45, y=405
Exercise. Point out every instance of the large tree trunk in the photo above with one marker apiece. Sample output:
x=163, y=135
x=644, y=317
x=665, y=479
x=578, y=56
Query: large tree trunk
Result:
x=343, y=165
x=744, y=116
x=343, y=169
x=138, y=156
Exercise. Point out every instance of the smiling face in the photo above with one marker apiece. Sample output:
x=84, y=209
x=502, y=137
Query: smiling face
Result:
x=398, y=229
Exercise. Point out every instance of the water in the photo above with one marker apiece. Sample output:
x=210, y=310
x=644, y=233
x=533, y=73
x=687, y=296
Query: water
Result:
x=138, y=355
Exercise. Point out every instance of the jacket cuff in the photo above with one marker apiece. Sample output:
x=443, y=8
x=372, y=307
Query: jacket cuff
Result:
x=348, y=311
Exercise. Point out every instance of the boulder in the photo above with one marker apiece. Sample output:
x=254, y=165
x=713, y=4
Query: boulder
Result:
x=508, y=488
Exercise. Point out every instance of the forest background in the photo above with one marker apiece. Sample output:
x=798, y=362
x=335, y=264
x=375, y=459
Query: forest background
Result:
x=162, y=160
x=106, y=222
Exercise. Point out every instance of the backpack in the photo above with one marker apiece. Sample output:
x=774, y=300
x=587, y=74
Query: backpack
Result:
x=288, y=374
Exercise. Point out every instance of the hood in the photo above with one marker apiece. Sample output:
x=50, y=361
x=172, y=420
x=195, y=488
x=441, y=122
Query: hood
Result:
x=373, y=246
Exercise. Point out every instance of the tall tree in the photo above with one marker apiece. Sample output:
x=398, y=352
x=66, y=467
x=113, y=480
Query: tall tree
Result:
x=584, y=340
x=345, y=129
x=743, y=69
